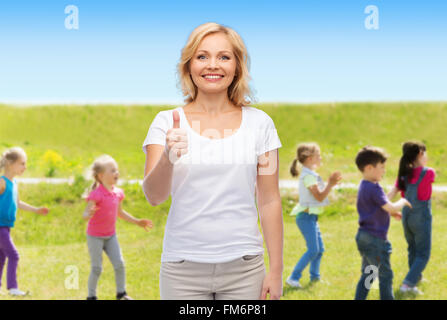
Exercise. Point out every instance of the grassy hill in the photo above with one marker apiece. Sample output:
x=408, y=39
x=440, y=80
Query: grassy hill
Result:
x=64, y=140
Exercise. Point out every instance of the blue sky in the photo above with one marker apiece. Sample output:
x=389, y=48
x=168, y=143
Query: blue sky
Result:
x=301, y=51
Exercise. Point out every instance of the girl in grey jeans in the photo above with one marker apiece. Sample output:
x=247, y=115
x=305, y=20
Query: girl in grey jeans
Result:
x=103, y=207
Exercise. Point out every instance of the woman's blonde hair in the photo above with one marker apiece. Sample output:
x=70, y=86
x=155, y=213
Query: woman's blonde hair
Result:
x=98, y=166
x=304, y=151
x=239, y=91
x=10, y=156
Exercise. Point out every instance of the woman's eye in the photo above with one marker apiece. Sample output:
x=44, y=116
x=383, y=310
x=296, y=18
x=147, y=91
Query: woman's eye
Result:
x=201, y=57
x=225, y=58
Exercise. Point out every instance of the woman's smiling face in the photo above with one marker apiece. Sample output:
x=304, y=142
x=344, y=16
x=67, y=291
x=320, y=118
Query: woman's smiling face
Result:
x=213, y=66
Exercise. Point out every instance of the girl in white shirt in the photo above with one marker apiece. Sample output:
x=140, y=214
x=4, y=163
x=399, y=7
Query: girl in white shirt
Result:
x=213, y=156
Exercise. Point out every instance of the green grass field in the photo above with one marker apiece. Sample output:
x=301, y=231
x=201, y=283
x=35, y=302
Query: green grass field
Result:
x=63, y=141
x=49, y=245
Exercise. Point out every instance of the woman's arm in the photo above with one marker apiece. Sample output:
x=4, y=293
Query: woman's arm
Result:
x=270, y=212
x=157, y=175
x=160, y=162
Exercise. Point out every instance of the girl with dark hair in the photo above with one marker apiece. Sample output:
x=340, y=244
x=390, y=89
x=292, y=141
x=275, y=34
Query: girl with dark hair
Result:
x=414, y=181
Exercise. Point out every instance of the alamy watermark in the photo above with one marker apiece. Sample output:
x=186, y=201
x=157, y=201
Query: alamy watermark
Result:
x=373, y=273
x=241, y=146
x=372, y=20
x=72, y=280
x=72, y=18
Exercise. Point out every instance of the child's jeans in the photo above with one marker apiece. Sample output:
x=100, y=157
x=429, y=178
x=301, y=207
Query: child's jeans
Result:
x=8, y=250
x=308, y=225
x=375, y=254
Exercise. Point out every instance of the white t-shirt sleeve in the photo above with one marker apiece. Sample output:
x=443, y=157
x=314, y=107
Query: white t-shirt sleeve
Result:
x=268, y=137
x=158, y=129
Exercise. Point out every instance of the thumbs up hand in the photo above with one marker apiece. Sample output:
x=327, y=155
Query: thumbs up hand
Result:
x=176, y=140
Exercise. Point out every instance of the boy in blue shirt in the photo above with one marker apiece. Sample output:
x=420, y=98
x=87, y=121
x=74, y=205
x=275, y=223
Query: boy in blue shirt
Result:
x=374, y=210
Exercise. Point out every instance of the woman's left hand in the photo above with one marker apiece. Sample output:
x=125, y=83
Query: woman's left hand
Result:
x=272, y=285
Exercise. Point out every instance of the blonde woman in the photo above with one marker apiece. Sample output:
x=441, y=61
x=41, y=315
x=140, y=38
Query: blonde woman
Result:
x=217, y=157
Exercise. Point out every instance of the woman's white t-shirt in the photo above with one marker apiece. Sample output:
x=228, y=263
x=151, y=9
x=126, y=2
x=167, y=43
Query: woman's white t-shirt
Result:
x=213, y=216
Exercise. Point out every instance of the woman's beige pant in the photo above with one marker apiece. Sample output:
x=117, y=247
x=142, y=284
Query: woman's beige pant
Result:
x=240, y=279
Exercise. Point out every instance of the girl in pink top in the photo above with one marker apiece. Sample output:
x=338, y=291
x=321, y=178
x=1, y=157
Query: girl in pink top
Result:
x=414, y=181
x=103, y=208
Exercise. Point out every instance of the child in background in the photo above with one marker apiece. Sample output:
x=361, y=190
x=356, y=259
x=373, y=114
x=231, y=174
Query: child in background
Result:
x=103, y=208
x=312, y=198
x=374, y=210
x=13, y=161
x=414, y=181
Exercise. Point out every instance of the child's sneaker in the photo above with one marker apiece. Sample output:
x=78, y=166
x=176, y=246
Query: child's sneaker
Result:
x=423, y=280
x=18, y=293
x=123, y=296
x=407, y=289
x=416, y=291
x=293, y=283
